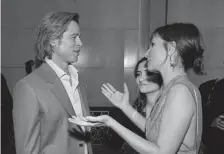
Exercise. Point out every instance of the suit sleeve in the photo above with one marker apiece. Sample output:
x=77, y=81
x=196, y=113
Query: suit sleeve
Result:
x=26, y=118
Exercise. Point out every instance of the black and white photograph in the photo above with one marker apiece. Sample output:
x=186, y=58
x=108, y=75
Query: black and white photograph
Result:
x=112, y=76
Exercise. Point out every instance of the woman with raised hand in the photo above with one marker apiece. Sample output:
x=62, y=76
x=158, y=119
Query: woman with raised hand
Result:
x=175, y=122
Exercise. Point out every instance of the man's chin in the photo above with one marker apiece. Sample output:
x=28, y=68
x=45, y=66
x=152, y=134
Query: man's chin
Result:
x=72, y=62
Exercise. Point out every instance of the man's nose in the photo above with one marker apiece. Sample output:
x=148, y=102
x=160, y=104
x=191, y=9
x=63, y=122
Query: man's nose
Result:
x=79, y=42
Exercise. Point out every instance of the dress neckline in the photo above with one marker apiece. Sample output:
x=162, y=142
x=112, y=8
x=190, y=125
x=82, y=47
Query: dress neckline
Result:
x=165, y=88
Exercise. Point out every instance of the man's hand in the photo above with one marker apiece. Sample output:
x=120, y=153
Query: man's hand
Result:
x=218, y=122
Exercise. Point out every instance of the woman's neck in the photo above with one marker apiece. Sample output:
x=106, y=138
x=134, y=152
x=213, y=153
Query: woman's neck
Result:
x=171, y=73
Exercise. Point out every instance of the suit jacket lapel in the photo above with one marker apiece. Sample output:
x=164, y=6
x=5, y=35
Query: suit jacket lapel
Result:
x=84, y=104
x=85, y=107
x=61, y=94
x=57, y=88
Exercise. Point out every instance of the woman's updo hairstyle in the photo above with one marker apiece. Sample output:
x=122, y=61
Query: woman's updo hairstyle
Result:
x=188, y=43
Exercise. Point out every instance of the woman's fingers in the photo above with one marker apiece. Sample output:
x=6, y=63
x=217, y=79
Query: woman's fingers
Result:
x=82, y=118
x=111, y=87
x=90, y=121
x=125, y=88
x=105, y=94
x=93, y=119
x=108, y=88
x=104, y=90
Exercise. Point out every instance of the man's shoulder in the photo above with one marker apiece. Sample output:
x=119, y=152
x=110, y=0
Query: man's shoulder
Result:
x=32, y=78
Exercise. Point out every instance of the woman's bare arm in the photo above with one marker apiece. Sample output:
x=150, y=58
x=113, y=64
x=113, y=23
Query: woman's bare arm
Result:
x=177, y=115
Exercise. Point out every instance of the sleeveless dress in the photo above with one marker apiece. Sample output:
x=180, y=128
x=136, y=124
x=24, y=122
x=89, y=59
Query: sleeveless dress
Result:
x=154, y=120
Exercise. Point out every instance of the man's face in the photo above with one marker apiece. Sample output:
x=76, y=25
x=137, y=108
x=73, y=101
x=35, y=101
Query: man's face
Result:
x=68, y=47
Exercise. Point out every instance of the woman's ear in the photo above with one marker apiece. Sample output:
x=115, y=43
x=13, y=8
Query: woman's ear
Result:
x=171, y=48
x=173, y=54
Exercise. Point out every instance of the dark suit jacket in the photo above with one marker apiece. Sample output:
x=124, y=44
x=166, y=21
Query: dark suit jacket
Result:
x=7, y=134
x=41, y=108
x=212, y=136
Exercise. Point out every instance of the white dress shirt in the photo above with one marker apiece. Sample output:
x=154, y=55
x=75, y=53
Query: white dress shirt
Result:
x=70, y=83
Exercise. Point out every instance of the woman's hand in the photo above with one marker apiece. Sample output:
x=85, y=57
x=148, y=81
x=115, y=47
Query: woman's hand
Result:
x=218, y=122
x=103, y=119
x=90, y=121
x=117, y=98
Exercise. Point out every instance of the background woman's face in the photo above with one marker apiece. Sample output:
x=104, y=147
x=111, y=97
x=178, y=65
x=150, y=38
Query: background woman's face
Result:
x=144, y=85
x=156, y=54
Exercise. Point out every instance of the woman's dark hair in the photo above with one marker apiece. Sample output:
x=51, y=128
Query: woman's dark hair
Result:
x=188, y=43
x=51, y=27
x=154, y=76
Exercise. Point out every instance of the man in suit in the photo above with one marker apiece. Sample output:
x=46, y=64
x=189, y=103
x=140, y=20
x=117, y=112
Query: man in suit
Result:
x=45, y=99
x=213, y=113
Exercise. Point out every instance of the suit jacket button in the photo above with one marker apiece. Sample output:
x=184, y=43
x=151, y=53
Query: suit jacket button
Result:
x=80, y=145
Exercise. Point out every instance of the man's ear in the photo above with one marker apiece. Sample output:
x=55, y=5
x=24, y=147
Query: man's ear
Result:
x=54, y=43
x=171, y=48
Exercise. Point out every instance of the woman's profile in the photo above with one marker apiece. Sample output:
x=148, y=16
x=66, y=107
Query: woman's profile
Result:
x=174, y=125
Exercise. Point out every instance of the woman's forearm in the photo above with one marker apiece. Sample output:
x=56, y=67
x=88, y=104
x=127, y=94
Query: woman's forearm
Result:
x=134, y=116
x=138, y=143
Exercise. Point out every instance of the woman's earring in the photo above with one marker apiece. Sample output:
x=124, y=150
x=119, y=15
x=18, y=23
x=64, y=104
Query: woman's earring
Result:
x=172, y=63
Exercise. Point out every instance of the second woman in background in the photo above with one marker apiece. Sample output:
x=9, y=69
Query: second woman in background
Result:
x=149, y=84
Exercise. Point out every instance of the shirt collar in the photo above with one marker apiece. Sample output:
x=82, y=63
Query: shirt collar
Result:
x=74, y=75
x=55, y=67
x=60, y=73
